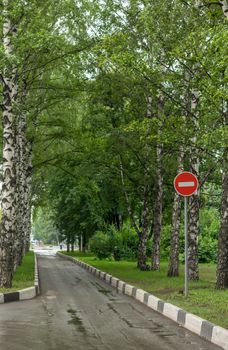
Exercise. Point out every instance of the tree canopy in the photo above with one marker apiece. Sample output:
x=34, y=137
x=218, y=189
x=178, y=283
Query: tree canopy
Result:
x=103, y=103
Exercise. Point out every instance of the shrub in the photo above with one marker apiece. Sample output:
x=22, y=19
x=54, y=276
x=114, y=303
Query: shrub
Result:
x=120, y=244
x=127, y=253
x=99, y=244
x=207, y=250
x=130, y=241
x=208, y=240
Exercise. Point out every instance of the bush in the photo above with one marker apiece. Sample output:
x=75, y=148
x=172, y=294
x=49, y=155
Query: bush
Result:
x=99, y=244
x=120, y=244
x=208, y=240
x=115, y=242
x=130, y=242
x=127, y=253
x=207, y=250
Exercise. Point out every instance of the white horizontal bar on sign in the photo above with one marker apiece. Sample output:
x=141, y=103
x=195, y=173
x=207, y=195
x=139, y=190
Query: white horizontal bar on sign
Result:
x=186, y=184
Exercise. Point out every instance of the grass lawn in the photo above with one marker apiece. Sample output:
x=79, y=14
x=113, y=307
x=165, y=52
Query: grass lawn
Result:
x=24, y=275
x=203, y=299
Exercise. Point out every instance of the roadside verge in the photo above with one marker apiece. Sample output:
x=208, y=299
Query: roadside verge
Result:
x=209, y=331
x=24, y=294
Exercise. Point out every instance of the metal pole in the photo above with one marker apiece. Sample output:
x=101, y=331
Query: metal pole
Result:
x=186, y=244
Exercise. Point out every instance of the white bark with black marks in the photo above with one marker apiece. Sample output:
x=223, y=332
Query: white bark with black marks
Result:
x=157, y=222
x=194, y=200
x=222, y=265
x=173, y=269
x=128, y=202
x=158, y=202
x=225, y=8
x=28, y=197
x=9, y=171
x=22, y=206
x=145, y=218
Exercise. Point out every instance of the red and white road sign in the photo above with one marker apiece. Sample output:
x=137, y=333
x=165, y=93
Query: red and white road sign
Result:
x=186, y=184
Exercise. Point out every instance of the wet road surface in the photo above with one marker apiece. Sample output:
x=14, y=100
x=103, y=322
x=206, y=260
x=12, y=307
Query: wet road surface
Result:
x=78, y=311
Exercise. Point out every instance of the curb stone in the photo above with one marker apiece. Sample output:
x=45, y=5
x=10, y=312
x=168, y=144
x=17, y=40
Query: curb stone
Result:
x=209, y=331
x=24, y=294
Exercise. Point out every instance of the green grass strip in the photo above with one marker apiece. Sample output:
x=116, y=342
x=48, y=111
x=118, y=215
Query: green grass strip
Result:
x=24, y=275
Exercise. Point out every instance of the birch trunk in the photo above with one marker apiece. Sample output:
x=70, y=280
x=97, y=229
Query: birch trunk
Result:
x=17, y=202
x=194, y=200
x=225, y=8
x=222, y=265
x=20, y=202
x=24, y=207
x=27, y=208
x=22, y=163
x=173, y=270
x=9, y=178
x=145, y=219
x=142, y=234
x=157, y=222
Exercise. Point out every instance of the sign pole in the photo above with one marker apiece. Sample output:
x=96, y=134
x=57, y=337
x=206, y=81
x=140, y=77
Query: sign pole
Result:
x=186, y=244
x=186, y=184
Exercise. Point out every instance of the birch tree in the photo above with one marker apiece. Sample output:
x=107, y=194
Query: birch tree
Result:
x=158, y=202
x=222, y=266
x=173, y=269
x=33, y=41
x=194, y=200
x=9, y=80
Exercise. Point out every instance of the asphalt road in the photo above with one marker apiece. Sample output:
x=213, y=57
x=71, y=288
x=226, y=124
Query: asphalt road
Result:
x=78, y=311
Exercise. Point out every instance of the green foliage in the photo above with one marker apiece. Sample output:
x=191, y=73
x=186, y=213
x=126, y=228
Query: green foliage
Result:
x=100, y=245
x=43, y=227
x=208, y=241
x=207, y=250
x=115, y=242
x=120, y=245
x=165, y=241
x=87, y=108
x=130, y=242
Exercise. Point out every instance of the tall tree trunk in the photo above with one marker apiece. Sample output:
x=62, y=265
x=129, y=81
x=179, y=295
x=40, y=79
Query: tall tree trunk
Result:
x=145, y=219
x=21, y=200
x=173, y=270
x=17, y=201
x=27, y=208
x=9, y=180
x=194, y=200
x=157, y=221
x=23, y=184
x=222, y=265
x=225, y=8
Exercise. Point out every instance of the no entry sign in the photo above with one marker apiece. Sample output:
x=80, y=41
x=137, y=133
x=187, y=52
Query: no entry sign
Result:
x=186, y=184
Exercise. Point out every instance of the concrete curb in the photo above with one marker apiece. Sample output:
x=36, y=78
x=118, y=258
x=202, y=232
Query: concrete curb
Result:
x=209, y=331
x=24, y=294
